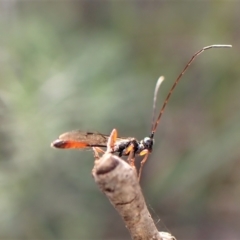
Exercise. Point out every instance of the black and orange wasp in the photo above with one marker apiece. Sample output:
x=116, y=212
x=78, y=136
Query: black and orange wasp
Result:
x=124, y=146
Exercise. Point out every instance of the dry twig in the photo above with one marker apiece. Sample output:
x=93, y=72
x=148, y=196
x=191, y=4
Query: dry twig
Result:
x=119, y=181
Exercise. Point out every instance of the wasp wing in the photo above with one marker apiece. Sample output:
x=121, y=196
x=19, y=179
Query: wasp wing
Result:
x=80, y=139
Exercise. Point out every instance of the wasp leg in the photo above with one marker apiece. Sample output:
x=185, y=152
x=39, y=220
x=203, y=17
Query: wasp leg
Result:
x=112, y=140
x=96, y=151
x=131, y=158
x=129, y=149
x=146, y=153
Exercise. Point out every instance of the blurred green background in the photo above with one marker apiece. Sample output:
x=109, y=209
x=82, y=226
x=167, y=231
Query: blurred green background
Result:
x=93, y=65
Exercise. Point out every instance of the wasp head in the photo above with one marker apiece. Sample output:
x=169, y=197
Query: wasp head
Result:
x=148, y=143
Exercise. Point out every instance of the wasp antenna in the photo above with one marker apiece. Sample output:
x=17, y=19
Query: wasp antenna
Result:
x=159, y=82
x=154, y=127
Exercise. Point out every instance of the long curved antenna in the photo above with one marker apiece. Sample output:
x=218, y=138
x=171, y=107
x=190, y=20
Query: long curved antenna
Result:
x=154, y=127
x=158, y=84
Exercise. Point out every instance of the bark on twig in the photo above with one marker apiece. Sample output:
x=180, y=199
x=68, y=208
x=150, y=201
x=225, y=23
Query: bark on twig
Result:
x=119, y=181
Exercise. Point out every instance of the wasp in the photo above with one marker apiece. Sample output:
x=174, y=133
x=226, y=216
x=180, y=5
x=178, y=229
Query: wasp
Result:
x=125, y=146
